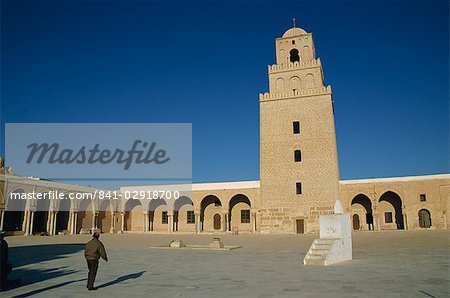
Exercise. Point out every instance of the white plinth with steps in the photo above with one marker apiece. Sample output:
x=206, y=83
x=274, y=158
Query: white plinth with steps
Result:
x=335, y=243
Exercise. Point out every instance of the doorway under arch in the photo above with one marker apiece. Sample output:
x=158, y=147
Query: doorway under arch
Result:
x=238, y=204
x=356, y=223
x=396, y=202
x=133, y=216
x=217, y=219
x=424, y=219
x=363, y=201
x=209, y=208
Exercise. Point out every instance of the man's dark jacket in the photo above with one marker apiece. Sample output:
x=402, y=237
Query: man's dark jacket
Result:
x=94, y=250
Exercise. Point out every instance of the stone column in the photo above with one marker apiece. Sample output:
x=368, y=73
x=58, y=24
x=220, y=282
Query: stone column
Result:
x=69, y=222
x=113, y=222
x=24, y=222
x=175, y=223
x=224, y=221
x=75, y=222
x=94, y=220
x=376, y=217
x=253, y=221
x=122, y=226
x=3, y=219
x=445, y=221
x=50, y=222
x=405, y=219
x=258, y=222
x=55, y=218
x=31, y=223
x=170, y=221
x=376, y=222
x=151, y=222
x=50, y=227
x=145, y=222
x=197, y=221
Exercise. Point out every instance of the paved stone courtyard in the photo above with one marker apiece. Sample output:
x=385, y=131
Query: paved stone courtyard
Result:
x=386, y=264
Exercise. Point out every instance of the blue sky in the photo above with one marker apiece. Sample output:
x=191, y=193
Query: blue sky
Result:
x=205, y=63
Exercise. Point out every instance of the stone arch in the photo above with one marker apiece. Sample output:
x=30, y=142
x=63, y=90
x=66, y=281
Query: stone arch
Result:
x=282, y=55
x=14, y=212
x=365, y=203
x=158, y=212
x=64, y=204
x=356, y=222
x=424, y=218
x=62, y=217
x=306, y=53
x=14, y=204
x=182, y=202
x=395, y=201
x=280, y=84
x=209, y=207
x=294, y=56
x=156, y=203
x=239, y=203
x=105, y=218
x=134, y=219
x=85, y=215
x=295, y=83
x=309, y=81
x=183, y=208
x=41, y=215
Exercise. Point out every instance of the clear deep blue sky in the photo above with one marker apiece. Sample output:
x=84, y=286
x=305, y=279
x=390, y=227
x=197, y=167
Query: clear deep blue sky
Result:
x=205, y=63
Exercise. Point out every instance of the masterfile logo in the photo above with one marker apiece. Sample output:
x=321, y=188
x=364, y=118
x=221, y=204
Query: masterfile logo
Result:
x=52, y=154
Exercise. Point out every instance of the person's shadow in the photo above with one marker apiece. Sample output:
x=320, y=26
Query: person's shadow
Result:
x=121, y=279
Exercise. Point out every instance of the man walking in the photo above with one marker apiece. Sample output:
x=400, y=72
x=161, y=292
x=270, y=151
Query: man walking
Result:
x=93, y=251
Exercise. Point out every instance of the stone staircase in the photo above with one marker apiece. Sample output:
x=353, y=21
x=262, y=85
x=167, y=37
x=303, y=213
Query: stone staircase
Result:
x=318, y=252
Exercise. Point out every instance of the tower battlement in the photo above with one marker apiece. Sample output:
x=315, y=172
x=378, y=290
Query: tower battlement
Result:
x=267, y=96
x=275, y=68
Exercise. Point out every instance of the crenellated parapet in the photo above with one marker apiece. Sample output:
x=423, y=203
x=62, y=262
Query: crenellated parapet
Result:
x=295, y=93
x=275, y=68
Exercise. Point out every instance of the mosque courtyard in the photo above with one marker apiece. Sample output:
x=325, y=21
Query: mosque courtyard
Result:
x=385, y=264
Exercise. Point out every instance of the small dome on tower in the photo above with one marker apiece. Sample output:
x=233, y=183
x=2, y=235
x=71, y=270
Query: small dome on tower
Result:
x=294, y=32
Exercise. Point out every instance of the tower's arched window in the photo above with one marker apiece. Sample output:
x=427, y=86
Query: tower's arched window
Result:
x=294, y=57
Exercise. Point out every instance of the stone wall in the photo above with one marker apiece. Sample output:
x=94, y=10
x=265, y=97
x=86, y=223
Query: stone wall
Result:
x=436, y=189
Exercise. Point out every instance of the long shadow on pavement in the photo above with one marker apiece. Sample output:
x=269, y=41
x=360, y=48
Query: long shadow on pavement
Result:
x=32, y=254
x=34, y=292
x=31, y=276
x=121, y=279
x=21, y=256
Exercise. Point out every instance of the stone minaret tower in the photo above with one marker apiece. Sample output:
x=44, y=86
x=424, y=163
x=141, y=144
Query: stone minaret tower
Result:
x=299, y=166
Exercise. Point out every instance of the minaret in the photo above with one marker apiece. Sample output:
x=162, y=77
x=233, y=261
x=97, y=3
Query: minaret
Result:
x=298, y=162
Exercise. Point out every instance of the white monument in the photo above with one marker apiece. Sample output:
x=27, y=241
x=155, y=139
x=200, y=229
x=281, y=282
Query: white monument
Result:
x=335, y=243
